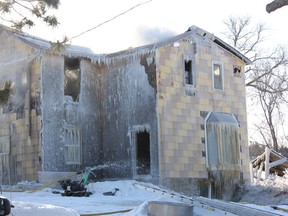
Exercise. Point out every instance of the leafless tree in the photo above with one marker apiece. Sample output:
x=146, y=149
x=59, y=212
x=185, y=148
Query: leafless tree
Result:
x=276, y=4
x=271, y=103
x=267, y=78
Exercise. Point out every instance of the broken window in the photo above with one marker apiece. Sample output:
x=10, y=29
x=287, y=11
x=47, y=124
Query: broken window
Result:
x=5, y=92
x=237, y=70
x=72, y=78
x=143, y=153
x=222, y=131
x=218, y=75
x=72, y=151
x=188, y=70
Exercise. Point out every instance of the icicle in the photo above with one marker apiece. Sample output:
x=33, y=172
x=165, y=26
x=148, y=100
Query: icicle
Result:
x=70, y=135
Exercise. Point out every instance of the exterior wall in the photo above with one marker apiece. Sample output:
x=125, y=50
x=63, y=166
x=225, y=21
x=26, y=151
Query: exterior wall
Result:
x=23, y=161
x=59, y=111
x=182, y=111
x=128, y=98
x=20, y=123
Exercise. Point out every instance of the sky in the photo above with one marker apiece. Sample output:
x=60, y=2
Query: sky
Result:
x=153, y=20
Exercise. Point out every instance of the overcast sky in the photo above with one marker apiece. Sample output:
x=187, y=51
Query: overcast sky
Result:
x=154, y=20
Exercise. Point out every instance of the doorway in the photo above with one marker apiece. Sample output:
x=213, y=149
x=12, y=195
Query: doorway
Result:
x=143, y=153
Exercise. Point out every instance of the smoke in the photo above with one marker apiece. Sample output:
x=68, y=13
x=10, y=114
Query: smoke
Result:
x=149, y=35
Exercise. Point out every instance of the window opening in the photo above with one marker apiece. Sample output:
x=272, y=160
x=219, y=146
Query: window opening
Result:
x=72, y=78
x=237, y=70
x=143, y=153
x=218, y=76
x=222, y=130
x=72, y=152
x=188, y=72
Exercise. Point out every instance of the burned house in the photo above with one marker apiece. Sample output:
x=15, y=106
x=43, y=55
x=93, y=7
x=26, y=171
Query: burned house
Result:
x=171, y=113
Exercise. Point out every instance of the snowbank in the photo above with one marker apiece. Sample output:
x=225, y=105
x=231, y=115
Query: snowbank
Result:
x=273, y=191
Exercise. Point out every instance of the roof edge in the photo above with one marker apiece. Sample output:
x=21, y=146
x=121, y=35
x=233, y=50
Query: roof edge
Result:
x=232, y=50
x=221, y=43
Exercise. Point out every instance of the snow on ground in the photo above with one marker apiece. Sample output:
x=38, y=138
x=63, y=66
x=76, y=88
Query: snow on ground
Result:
x=127, y=198
x=272, y=191
x=32, y=209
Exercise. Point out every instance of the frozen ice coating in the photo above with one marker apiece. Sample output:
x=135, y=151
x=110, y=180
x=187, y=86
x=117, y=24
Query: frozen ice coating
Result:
x=132, y=113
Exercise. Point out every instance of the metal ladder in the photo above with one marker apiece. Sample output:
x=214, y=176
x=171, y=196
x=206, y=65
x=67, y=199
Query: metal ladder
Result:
x=221, y=207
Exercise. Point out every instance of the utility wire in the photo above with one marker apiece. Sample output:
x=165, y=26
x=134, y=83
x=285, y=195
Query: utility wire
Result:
x=109, y=20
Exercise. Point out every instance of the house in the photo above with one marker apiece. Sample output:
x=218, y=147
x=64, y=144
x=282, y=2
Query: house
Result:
x=171, y=113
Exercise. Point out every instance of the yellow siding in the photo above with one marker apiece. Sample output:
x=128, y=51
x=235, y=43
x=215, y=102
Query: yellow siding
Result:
x=180, y=113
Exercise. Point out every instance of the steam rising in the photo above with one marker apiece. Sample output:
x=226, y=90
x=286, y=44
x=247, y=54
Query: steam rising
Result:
x=149, y=35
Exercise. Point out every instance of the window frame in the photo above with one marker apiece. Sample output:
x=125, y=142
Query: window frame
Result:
x=72, y=67
x=69, y=144
x=220, y=147
x=221, y=73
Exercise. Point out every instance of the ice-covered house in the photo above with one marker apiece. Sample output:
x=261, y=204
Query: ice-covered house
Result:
x=172, y=112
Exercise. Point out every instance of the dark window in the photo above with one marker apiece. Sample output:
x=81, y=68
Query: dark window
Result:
x=72, y=78
x=188, y=72
x=237, y=70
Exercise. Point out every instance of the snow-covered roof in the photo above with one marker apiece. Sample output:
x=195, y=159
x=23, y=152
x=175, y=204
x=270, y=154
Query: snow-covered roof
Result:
x=193, y=30
x=40, y=43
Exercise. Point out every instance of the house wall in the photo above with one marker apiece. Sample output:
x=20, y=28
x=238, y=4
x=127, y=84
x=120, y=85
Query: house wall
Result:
x=60, y=112
x=182, y=111
x=128, y=98
x=20, y=123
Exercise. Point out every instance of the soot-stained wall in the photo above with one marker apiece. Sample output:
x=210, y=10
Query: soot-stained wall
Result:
x=60, y=113
x=20, y=123
x=128, y=107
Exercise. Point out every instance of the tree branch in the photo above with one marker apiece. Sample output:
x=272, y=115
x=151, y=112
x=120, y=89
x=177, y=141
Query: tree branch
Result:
x=276, y=4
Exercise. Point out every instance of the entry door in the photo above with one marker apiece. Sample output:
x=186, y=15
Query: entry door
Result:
x=142, y=153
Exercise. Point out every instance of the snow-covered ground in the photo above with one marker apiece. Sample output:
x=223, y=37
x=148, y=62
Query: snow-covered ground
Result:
x=127, y=198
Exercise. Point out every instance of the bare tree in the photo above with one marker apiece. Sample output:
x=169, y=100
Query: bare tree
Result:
x=276, y=4
x=22, y=13
x=248, y=39
x=271, y=101
x=267, y=78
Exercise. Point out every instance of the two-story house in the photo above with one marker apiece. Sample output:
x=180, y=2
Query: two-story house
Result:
x=172, y=113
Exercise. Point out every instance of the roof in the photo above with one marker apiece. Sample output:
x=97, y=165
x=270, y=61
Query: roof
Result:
x=193, y=30
x=41, y=43
x=86, y=52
